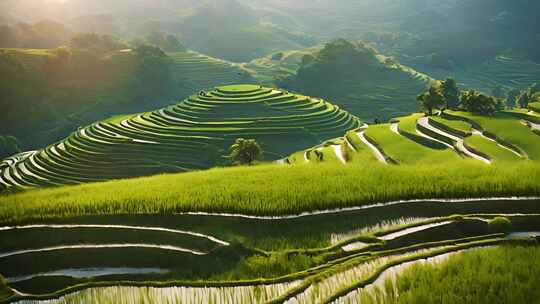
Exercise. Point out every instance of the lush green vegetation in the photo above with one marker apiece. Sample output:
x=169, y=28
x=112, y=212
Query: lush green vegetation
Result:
x=193, y=134
x=95, y=79
x=293, y=189
x=535, y=106
x=333, y=269
x=505, y=274
x=364, y=82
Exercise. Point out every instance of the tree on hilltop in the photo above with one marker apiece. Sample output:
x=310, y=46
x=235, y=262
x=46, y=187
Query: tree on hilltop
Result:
x=478, y=103
x=244, y=151
x=450, y=91
x=511, y=98
x=431, y=99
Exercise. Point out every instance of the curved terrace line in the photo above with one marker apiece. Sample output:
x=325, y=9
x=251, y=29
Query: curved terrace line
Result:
x=480, y=133
x=97, y=246
x=376, y=151
x=339, y=153
x=400, y=233
x=398, y=269
x=394, y=127
x=157, y=229
x=357, y=208
x=460, y=143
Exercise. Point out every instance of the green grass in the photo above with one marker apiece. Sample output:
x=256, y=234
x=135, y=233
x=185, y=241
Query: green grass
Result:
x=505, y=274
x=495, y=152
x=507, y=126
x=293, y=189
x=458, y=125
x=406, y=151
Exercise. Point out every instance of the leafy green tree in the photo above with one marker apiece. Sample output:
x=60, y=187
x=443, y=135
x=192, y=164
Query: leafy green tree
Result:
x=245, y=151
x=9, y=146
x=475, y=102
x=450, y=92
x=524, y=99
x=511, y=98
x=431, y=99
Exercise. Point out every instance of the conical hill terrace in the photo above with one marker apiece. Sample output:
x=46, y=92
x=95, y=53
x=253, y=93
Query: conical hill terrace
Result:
x=190, y=135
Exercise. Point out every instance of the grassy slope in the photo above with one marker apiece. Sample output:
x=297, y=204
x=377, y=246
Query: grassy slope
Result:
x=410, y=148
x=506, y=274
x=507, y=126
x=405, y=150
x=293, y=189
x=479, y=143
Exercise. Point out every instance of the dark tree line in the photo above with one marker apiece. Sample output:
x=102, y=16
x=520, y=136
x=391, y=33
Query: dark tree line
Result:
x=446, y=95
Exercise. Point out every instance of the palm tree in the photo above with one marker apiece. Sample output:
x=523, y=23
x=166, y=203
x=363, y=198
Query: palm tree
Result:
x=245, y=151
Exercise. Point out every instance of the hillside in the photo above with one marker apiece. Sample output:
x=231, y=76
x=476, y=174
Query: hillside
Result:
x=505, y=71
x=89, y=85
x=357, y=78
x=452, y=139
x=193, y=134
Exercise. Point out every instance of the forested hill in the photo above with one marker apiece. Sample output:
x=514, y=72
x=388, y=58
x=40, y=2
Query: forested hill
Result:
x=359, y=79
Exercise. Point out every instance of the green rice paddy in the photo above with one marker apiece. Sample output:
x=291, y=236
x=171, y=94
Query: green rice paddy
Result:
x=191, y=135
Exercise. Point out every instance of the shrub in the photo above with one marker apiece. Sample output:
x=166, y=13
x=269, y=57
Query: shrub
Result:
x=277, y=56
x=500, y=224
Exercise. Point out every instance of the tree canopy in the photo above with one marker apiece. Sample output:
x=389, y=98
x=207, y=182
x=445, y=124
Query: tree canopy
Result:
x=245, y=151
x=478, y=103
x=450, y=92
x=431, y=99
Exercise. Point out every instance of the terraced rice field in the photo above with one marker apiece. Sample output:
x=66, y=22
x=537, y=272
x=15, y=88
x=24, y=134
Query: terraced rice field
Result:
x=453, y=137
x=508, y=72
x=136, y=258
x=193, y=134
x=194, y=72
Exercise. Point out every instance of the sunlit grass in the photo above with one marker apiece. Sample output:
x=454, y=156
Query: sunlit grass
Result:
x=275, y=190
x=504, y=274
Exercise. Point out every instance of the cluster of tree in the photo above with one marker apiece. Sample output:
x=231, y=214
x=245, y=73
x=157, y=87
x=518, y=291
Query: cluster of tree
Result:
x=446, y=95
x=515, y=97
x=165, y=41
x=97, y=42
x=9, y=146
x=42, y=34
